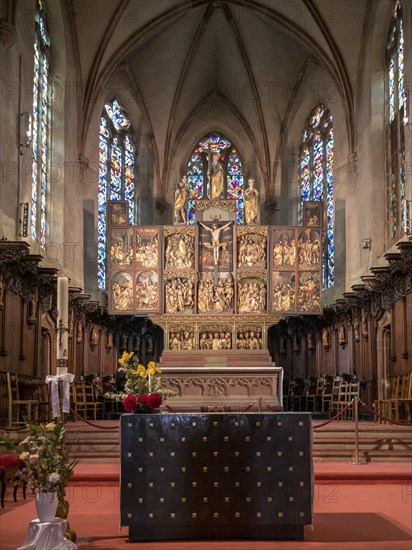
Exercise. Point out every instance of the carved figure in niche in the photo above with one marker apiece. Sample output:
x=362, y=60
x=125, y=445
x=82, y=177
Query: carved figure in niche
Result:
x=342, y=334
x=228, y=340
x=310, y=341
x=147, y=250
x=284, y=249
x=94, y=337
x=32, y=311
x=203, y=341
x=79, y=333
x=251, y=202
x=216, y=245
x=147, y=290
x=252, y=251
x=122, y=292
x=216, y=177
x=175, y=342
x=179, y=295
x=180, y=251
x=180, y=201
x=216, y=343
x=365, y=332
x=284, y=292
x=356, y=334
x=218, y=298
x=252, y=297
x=253, y=341
x=309, y=292
x=188, y=340
x=309, y=247
x=240, y=341
x=121, y=248
x=325, y=338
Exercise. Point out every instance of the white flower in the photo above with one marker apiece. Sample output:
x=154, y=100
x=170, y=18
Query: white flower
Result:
x=54, y=478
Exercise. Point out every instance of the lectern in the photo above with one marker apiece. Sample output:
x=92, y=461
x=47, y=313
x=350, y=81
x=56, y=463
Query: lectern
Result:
x=216, y=476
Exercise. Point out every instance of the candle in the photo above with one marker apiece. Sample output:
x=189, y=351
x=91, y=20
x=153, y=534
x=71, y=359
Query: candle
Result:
x=62, y=320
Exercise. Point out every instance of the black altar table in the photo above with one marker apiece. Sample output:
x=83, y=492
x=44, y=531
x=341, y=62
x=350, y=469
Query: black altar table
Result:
x=216, y=476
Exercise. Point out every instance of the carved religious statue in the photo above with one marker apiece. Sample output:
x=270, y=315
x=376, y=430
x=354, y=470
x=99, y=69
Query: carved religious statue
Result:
x=251, y=202
x=216, y=177
x=180, y=201
x=216, y=245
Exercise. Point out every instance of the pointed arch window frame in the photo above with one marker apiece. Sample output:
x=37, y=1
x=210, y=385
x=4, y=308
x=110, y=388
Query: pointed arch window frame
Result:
x=316, y=155
x=117, y=175
x=197, y=173
x=396, y=119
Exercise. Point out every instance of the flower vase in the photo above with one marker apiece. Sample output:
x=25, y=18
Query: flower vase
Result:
x=46, y=505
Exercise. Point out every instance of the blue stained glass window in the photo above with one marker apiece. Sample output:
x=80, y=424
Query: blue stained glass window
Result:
x=197, y=174
x=40, y=128
x=316, y=179
x=117, y=175
x=397, y=119
x=235, y=183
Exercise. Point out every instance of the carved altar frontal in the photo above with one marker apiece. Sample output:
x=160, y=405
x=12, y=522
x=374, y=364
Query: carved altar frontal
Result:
x=216, y=476
x=219, y=388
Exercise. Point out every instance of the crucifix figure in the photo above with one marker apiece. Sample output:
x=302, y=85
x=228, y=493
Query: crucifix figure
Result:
x=216, y=245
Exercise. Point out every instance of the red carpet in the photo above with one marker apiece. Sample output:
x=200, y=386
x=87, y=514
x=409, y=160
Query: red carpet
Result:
x=356, y=508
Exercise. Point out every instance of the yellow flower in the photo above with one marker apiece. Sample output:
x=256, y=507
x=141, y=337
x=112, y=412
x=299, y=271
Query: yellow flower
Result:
x=24, y=455
x=152, y=368
x=50, y=426
x=141, y=371
x=124, y=359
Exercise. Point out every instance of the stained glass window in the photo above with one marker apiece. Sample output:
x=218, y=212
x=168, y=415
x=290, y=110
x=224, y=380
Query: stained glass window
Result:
x=116, y=175
x=198, y=169
x=316, y=179
x=397, y=119
x=40, y=128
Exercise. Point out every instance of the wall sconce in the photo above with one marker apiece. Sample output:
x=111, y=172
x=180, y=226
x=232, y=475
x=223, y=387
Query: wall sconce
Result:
x=366, y=244
x=25, y=131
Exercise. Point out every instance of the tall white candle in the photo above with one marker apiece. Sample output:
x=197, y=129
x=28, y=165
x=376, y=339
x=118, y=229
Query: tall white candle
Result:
x=62, y=318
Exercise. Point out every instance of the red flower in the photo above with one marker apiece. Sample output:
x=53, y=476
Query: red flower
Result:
x=142, y=399
x=154, y=400
x=129, y=403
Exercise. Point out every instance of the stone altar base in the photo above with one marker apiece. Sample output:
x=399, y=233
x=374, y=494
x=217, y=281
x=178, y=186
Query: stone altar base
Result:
x=222, y=380
x=220, y=387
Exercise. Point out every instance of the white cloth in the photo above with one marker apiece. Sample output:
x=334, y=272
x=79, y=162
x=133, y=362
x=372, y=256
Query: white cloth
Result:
x=67, y=379
x=47, y=534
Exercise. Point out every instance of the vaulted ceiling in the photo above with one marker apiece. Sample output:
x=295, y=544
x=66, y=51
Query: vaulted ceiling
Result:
x=224, y=64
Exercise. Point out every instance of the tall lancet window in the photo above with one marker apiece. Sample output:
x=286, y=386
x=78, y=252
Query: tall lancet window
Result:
x=397, y=118
x=316, y=179
x=40, y=127
x=215, y=155
x=116, y=175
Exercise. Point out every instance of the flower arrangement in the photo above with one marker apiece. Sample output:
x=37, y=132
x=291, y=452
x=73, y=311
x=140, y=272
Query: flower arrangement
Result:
x=45, y=464
x=44, y=452
x=142, y=392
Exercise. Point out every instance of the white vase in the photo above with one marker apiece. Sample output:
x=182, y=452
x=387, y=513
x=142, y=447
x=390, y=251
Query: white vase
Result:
x=46, y=505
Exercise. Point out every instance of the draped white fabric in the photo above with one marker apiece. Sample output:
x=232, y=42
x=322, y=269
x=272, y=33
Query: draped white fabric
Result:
x=67, y=379
x=48, y=534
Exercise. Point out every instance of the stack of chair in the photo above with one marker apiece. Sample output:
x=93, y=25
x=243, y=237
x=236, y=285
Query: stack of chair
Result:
x=347, y=392
x=20, y=411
